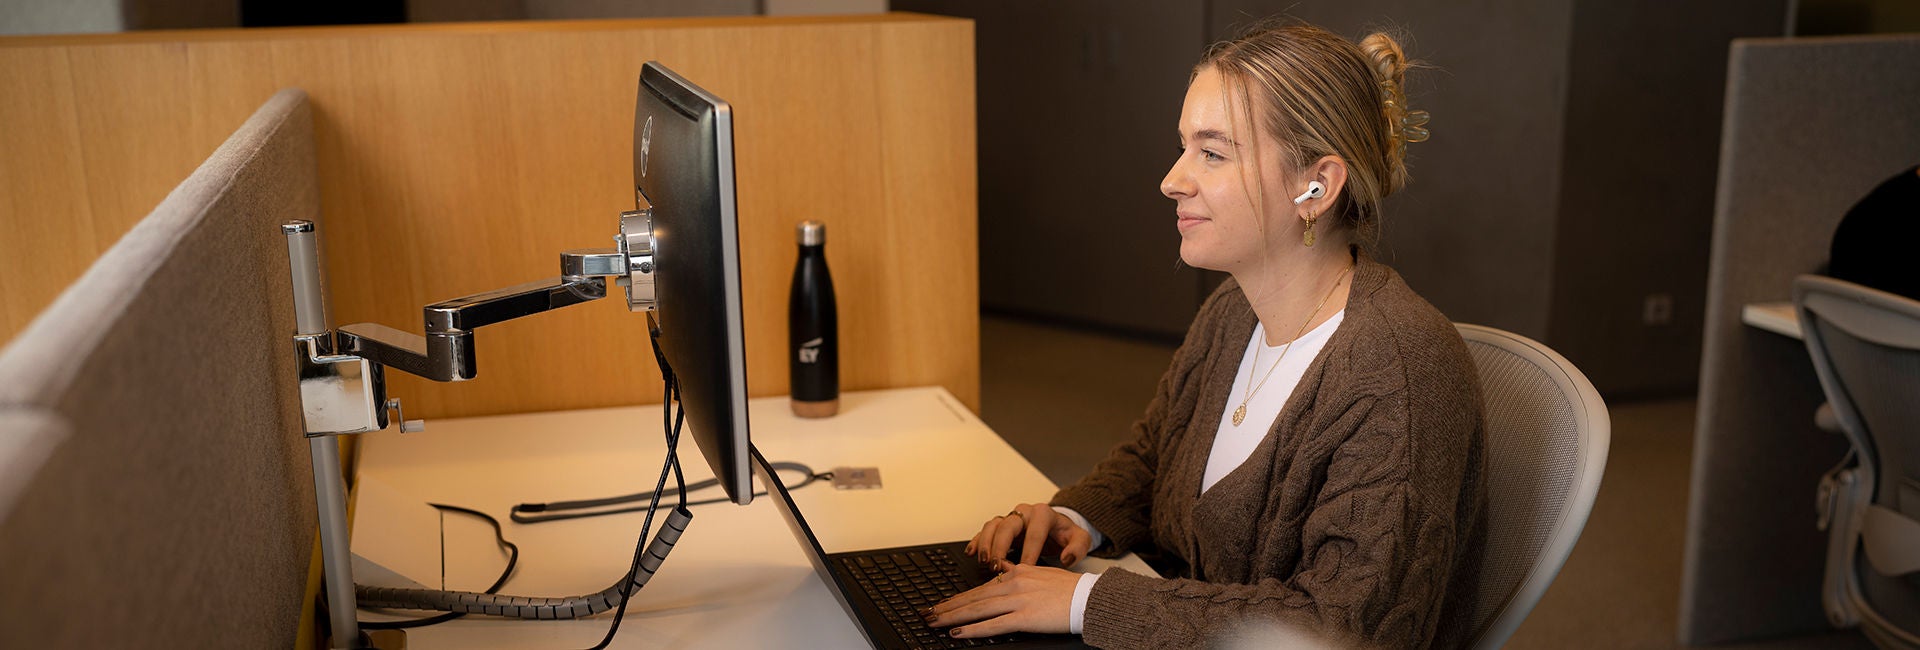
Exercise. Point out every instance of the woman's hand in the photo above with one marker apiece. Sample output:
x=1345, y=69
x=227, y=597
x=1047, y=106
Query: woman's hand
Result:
x=1023, y=598
x=1038, y=528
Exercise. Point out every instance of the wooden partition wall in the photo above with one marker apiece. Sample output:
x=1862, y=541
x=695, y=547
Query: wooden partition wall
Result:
x=460, y=158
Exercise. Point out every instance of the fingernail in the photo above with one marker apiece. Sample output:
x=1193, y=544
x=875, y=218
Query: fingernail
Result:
x=955, y=632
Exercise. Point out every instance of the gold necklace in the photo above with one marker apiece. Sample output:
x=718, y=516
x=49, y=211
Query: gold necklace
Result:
x=1240, y=414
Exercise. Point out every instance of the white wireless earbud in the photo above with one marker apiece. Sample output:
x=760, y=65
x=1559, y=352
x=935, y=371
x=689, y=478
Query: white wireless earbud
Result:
x=1314, y=190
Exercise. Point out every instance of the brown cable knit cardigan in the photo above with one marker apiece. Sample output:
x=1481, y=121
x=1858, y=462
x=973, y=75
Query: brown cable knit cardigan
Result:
x=1360, y=516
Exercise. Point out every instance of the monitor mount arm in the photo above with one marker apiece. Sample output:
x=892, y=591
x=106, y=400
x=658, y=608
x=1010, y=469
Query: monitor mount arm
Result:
x=342, y=372
x=446, y=353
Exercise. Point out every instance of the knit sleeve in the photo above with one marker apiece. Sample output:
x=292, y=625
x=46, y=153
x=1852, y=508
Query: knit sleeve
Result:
x=1376, y=549
x=1117, y=495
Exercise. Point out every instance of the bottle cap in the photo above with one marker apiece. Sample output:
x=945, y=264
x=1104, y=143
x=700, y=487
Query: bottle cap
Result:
x=812, y=233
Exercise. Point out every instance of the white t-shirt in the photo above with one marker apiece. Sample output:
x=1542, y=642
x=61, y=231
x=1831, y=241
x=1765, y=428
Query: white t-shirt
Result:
x=1233, y=444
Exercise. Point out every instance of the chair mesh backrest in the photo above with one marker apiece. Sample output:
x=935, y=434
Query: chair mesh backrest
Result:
x=1865, y=346
x=1537, y=425
x=1876, y=377
x=1881, y=381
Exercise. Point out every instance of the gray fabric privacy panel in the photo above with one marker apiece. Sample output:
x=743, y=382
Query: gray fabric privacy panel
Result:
x=27, y=436
x=1810, y=126
x=178, y=511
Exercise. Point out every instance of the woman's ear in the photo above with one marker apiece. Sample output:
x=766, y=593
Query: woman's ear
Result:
x=1331, y=171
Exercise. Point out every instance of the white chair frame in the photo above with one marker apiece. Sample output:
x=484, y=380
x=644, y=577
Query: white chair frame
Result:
x=1847, y=493
x=1593, y=427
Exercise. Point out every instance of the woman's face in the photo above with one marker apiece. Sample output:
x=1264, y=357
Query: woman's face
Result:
x=1218, y=190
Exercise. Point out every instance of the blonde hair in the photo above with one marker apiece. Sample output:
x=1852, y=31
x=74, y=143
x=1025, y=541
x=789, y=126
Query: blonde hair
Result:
x=1322, y=95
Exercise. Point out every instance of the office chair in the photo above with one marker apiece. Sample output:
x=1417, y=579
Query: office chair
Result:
x=1866, y=349
x=1547, y=437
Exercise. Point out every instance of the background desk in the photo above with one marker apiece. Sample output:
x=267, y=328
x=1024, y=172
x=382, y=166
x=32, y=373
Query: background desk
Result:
x=1790, y=168
x=738, y=578
x=1776, y=317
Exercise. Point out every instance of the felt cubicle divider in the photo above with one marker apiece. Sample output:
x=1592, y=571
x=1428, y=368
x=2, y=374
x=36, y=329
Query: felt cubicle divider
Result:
x=459, y=158
x=177, y=507
x=28, y=435
x=1811, y=125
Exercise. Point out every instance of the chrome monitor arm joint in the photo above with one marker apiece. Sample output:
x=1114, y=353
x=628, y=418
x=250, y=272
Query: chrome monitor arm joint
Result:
x=342, y=373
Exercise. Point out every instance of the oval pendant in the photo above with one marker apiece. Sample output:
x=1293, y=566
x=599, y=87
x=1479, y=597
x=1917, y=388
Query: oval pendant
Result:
x=1239, y=414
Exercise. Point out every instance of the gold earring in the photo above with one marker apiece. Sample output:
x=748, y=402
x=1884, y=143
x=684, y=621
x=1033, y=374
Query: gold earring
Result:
x=1306, y=236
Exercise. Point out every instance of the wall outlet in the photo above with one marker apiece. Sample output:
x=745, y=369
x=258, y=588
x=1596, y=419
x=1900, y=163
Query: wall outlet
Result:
x=1657, y=309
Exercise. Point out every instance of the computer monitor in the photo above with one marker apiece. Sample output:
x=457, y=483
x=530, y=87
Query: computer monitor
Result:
x=683, y=170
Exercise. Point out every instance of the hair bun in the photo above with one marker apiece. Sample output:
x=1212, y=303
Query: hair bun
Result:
x=1389, y=61
x=1403, y=125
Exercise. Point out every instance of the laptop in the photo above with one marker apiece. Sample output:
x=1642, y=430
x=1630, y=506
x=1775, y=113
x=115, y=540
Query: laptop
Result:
x=883, y=590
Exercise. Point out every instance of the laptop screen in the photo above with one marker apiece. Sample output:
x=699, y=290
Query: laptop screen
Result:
x=789, y=511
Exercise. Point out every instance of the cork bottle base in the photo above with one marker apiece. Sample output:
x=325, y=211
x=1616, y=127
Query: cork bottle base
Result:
x=816, y=409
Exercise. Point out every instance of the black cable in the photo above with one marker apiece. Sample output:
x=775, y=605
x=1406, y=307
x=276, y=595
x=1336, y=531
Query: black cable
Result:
x=499, y=537
x=539, y=513
x=673, y=453
x=670, y=398
x=673, y=420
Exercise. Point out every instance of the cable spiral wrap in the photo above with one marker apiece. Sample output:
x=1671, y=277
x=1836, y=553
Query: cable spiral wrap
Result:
x=526, y=607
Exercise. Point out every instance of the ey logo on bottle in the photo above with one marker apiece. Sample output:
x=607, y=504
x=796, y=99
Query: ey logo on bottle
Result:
x=810, y=351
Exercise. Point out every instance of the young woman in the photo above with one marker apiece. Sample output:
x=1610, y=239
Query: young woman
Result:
x=1312, y=460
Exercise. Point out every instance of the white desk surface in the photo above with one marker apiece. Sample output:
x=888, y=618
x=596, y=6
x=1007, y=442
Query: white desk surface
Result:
x=738, y=578
x=1776, y=317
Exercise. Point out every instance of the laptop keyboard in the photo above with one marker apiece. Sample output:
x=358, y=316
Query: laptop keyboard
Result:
x=903, y=583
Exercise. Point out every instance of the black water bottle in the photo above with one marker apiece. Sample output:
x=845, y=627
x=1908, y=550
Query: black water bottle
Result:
x=813, y=329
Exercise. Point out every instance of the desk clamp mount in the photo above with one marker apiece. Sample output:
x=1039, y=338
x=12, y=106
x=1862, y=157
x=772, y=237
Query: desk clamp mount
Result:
x=342, y=372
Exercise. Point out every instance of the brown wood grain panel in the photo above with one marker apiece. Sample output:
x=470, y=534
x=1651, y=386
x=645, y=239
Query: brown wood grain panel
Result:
x=135, y=115
x=48, y=237
x=565, y=107
x=226, y=83
x=806, y=149
x=425, y=192
x=504, y=27
x=931, y=192
x=457, y=159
